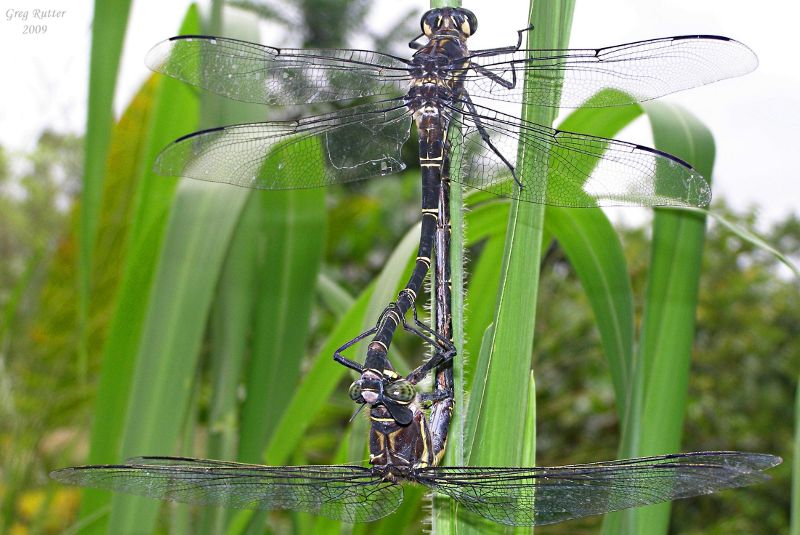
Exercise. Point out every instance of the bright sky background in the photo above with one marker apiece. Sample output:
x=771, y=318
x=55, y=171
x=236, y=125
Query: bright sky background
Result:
x=755, y=119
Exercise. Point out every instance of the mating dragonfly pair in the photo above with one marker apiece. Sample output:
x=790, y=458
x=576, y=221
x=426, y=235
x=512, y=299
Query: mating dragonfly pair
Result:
x=440, y=89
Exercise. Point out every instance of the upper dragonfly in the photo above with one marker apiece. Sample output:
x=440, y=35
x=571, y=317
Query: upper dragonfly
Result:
x=443, y=85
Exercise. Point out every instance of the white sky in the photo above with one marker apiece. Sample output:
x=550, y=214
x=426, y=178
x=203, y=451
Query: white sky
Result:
x=755, y=119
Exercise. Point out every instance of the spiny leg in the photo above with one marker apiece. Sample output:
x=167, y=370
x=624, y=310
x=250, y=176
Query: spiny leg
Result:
x=473, y=114
x=503, y=49
x=344, y=361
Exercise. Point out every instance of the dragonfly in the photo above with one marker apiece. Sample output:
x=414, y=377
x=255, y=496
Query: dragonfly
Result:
x=449, y=93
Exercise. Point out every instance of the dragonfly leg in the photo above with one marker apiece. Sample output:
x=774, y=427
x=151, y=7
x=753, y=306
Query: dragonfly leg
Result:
x=503, y=49
x=473, y=114
x=436, y=396
x=414, y=45
x=496, y=78
x=439, y=358
x=444, y=350
x=519, y=36
x=443, y=342
x=337, y=355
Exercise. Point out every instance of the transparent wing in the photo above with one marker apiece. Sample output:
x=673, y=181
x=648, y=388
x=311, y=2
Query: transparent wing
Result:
x=569, y=169
x=341, y=492
x=351, y=144
x=643, y=70
x=255, y=73
x=535, y=496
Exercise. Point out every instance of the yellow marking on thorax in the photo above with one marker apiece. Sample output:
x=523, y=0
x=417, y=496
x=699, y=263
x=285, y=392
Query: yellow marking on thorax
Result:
x=376, y=419
x=381, y=441
x=423, y=431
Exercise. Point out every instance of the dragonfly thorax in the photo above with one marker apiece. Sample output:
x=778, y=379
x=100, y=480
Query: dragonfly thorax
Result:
x=401, y=447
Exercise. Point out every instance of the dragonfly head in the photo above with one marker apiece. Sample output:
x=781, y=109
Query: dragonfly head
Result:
x=449, y=21
x=389, y=390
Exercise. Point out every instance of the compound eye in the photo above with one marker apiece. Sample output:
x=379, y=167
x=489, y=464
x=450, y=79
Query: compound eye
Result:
x=401, y=391
x=473, y=23
x=431, y=21
x=355, y=391
x=469, y=22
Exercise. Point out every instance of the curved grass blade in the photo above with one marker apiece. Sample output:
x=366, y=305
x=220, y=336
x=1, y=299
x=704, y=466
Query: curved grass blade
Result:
x=595, y=251
x=656, y=407
x=198, y=233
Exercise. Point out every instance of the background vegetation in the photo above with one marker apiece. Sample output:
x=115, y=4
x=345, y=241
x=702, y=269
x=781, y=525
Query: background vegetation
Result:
x=201, y=324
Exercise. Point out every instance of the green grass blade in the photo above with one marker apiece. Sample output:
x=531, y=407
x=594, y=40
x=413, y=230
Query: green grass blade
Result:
x=529, y=451
x=595, y=252
x=294, y=232
x=231, y=321
x=481, y=296
x=175, y=113
x=108, y=33
x=749, y=236
x=198, y=234
x=658, y=405
x=501, y=411
x=335, y=298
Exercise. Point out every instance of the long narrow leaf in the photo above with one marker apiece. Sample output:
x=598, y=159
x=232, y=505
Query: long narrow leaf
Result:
x=175, y=112
x=499, y=416
x=294, y=233
x=231, y=321
x=108, y=33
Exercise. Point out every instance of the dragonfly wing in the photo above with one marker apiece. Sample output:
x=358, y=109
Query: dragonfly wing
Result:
x=638, y=71
x=351, y=144
x=569, y=169
x=535, y=496
x=255, y=73
x=340, y=492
